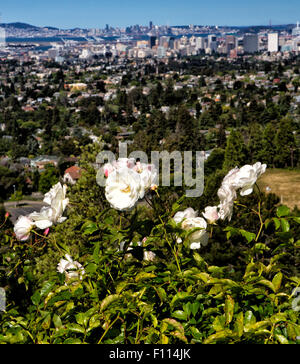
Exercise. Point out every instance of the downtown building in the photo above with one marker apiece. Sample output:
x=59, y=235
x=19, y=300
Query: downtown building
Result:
x=273, y=42
x=250, y=43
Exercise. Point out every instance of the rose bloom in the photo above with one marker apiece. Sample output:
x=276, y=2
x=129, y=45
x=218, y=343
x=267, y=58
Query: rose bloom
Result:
x=149, y=175
x=48, y=216
x=186, y=214
x=248, y=176
x=244, y=178
x=200, y=237
x=22, y=228
x=211, y=214
x=123, y=189
x=124, y=163
x=72, y=269
x=227, y=196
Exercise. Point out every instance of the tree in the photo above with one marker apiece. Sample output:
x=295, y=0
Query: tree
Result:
x=48, y=178
x=286, y=146
x=236, y=151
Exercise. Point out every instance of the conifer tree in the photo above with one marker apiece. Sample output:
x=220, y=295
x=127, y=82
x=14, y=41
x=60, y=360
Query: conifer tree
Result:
x=236, y=152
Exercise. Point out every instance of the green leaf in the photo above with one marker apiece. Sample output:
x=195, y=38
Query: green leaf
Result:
x=239, y=324
x=75, y=328
x=229, y=309
x=219, y=323
x=57, y=321
x=180, y=315
x=177, y=325
x=282, y=339
x=46, y=289
x=71, y=341
x=277, y=281
x=285, y=226
x=36, y=298
x=282, y=211
x=277, y=223
x=143, y=275
x=296, y=219
x=180, y=296
x=257, y=326
x=249, y=318
x=89, y=228
x=249, y=236
x=108, y=300
x=267, y=283
x=221, y=335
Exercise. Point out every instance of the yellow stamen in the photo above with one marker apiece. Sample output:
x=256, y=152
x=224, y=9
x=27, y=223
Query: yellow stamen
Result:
x=126, y=190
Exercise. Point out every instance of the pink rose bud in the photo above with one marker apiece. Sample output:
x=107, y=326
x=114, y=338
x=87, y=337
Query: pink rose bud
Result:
x=7, y=215
x=46, y=232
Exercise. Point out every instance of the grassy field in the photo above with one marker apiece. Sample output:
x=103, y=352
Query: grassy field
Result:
x=284, y=183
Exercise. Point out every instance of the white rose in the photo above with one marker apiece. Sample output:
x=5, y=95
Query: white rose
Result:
x=124, y=163
x=123, y=189
x=149, y=176
x=22, y=228
x=48, y=216
x=186, y=214
x=70, y=268
x=248, y=176
x=199, y=237
x=227, y=196
x=211, y=214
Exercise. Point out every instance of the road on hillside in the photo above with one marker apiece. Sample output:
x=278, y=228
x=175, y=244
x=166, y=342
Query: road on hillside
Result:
x=23, y=207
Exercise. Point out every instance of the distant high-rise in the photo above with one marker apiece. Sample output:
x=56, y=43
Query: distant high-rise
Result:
x=150, y=25
x=230, y=43
x=250, y=43
x=152, y=41
x=212, y=42
x=273, y=42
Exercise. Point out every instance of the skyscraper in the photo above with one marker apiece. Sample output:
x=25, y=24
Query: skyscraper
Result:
x=250, y=43
x=212, y=42
x=152, y=41
x=230, y=43
x=150, y=25
x=273, y=42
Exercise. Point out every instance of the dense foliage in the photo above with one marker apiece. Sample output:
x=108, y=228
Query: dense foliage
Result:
x=240, y=288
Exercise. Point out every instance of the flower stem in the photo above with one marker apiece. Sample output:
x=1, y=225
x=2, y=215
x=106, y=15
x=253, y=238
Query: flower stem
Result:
x=173, y=250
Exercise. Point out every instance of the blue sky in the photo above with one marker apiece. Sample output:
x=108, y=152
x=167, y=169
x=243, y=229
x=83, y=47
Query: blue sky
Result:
x=97, y=13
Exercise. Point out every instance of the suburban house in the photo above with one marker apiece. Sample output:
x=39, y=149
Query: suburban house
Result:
x=72, y=175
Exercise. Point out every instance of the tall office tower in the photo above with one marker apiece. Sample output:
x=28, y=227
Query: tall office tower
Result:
x=212, y=42
x=107, y=27
x=273, y=42
x=164, y=41
x=230, y=43
x=150, y=25
x=172, y=43
x=152, y=41
x=200, y=43
x=250, y=43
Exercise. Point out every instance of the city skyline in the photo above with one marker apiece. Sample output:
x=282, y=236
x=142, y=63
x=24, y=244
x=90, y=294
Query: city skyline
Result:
x=94, y=14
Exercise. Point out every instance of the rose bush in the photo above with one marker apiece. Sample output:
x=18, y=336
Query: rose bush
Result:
x=108, y=275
